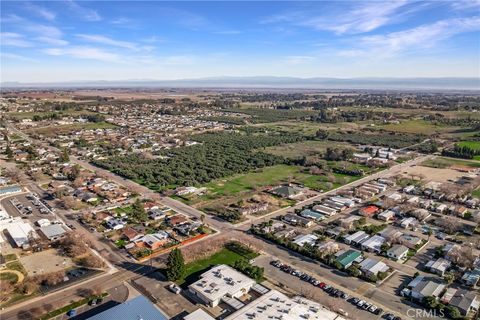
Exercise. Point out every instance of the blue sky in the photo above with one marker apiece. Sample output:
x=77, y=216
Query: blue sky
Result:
x=49, y=41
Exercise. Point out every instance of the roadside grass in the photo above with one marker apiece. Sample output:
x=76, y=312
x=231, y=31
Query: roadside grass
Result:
x=194, y=269
x=67, y=128
x=418, y=126
x=71, y=306
x=442, y=162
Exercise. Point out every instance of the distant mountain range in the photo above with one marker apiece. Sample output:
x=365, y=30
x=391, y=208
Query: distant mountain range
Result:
x=272, y=82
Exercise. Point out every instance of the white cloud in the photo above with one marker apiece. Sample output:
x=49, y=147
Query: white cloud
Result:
x=107, y=41
x=364, y=17
x=83, y=52
x=121, y=20
x=228, y=32
x=52, y=41
x=424, y=36
x=295, y=60
x=41, y=11
x=13, y=40
x=465, y=4
x=44, y=30
x=86, y=13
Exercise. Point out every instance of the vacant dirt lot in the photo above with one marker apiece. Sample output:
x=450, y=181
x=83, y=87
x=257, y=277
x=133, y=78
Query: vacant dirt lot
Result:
x=435, y=174
x=45, y=262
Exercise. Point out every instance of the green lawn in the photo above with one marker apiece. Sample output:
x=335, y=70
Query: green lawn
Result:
x=224, y=256
x=10, y=277
x=476, y=193
x=271, y=176
x=475, y=145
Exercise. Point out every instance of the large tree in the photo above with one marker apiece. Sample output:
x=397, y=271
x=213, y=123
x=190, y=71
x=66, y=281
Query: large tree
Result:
x=138, y=211
x=175, y=265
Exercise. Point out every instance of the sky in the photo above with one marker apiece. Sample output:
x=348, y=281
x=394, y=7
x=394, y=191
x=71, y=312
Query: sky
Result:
x=59, y=41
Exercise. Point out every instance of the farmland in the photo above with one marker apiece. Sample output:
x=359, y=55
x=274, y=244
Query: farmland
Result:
x=418, y=126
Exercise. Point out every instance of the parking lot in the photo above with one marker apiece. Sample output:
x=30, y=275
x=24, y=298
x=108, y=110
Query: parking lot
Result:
x=28, y=206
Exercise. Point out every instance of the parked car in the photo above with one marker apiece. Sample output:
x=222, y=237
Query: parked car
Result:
x=71, y=313
x=174, y=288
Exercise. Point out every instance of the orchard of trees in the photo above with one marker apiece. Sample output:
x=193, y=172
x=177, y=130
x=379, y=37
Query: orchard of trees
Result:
x=217, y=156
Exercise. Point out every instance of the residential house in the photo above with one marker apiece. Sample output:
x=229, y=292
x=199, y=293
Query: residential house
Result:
x=346, y=258
x=471, y=277
x=309, y=214
x=410, y=241
x=154, y=240
x=373, y=244
x=409, y=223
x=297, y=220
x=371, y=267
x=303, y=239
x=466, y=301
x=422, y=287
x=115, y=224
x=386, y=215
x=368, y=211
x=187, y=228
x=329, y=246
x=356, y=238
x=438, y=266
x=349, y=222
x=287, y=192
x=176, y=220
x=397, y=252
x=325, y=210
x=131, y=234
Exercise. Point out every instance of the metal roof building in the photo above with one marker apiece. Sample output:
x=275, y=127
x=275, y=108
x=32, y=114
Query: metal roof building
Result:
x=134, y=309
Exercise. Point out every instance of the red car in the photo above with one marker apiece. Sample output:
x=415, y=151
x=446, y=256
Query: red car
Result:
x=322, y=285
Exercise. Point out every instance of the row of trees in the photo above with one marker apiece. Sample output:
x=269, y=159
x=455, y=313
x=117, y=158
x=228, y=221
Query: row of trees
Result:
x=463, y=152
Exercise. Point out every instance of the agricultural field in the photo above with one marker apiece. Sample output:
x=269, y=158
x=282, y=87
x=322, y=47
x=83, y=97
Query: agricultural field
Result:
x=68, y=128
x=475, y=145
x=307, y=128
x=418, y=126
x=305, y=148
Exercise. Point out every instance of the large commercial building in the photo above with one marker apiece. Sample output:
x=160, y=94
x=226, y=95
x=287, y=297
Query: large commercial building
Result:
x=221, y=283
